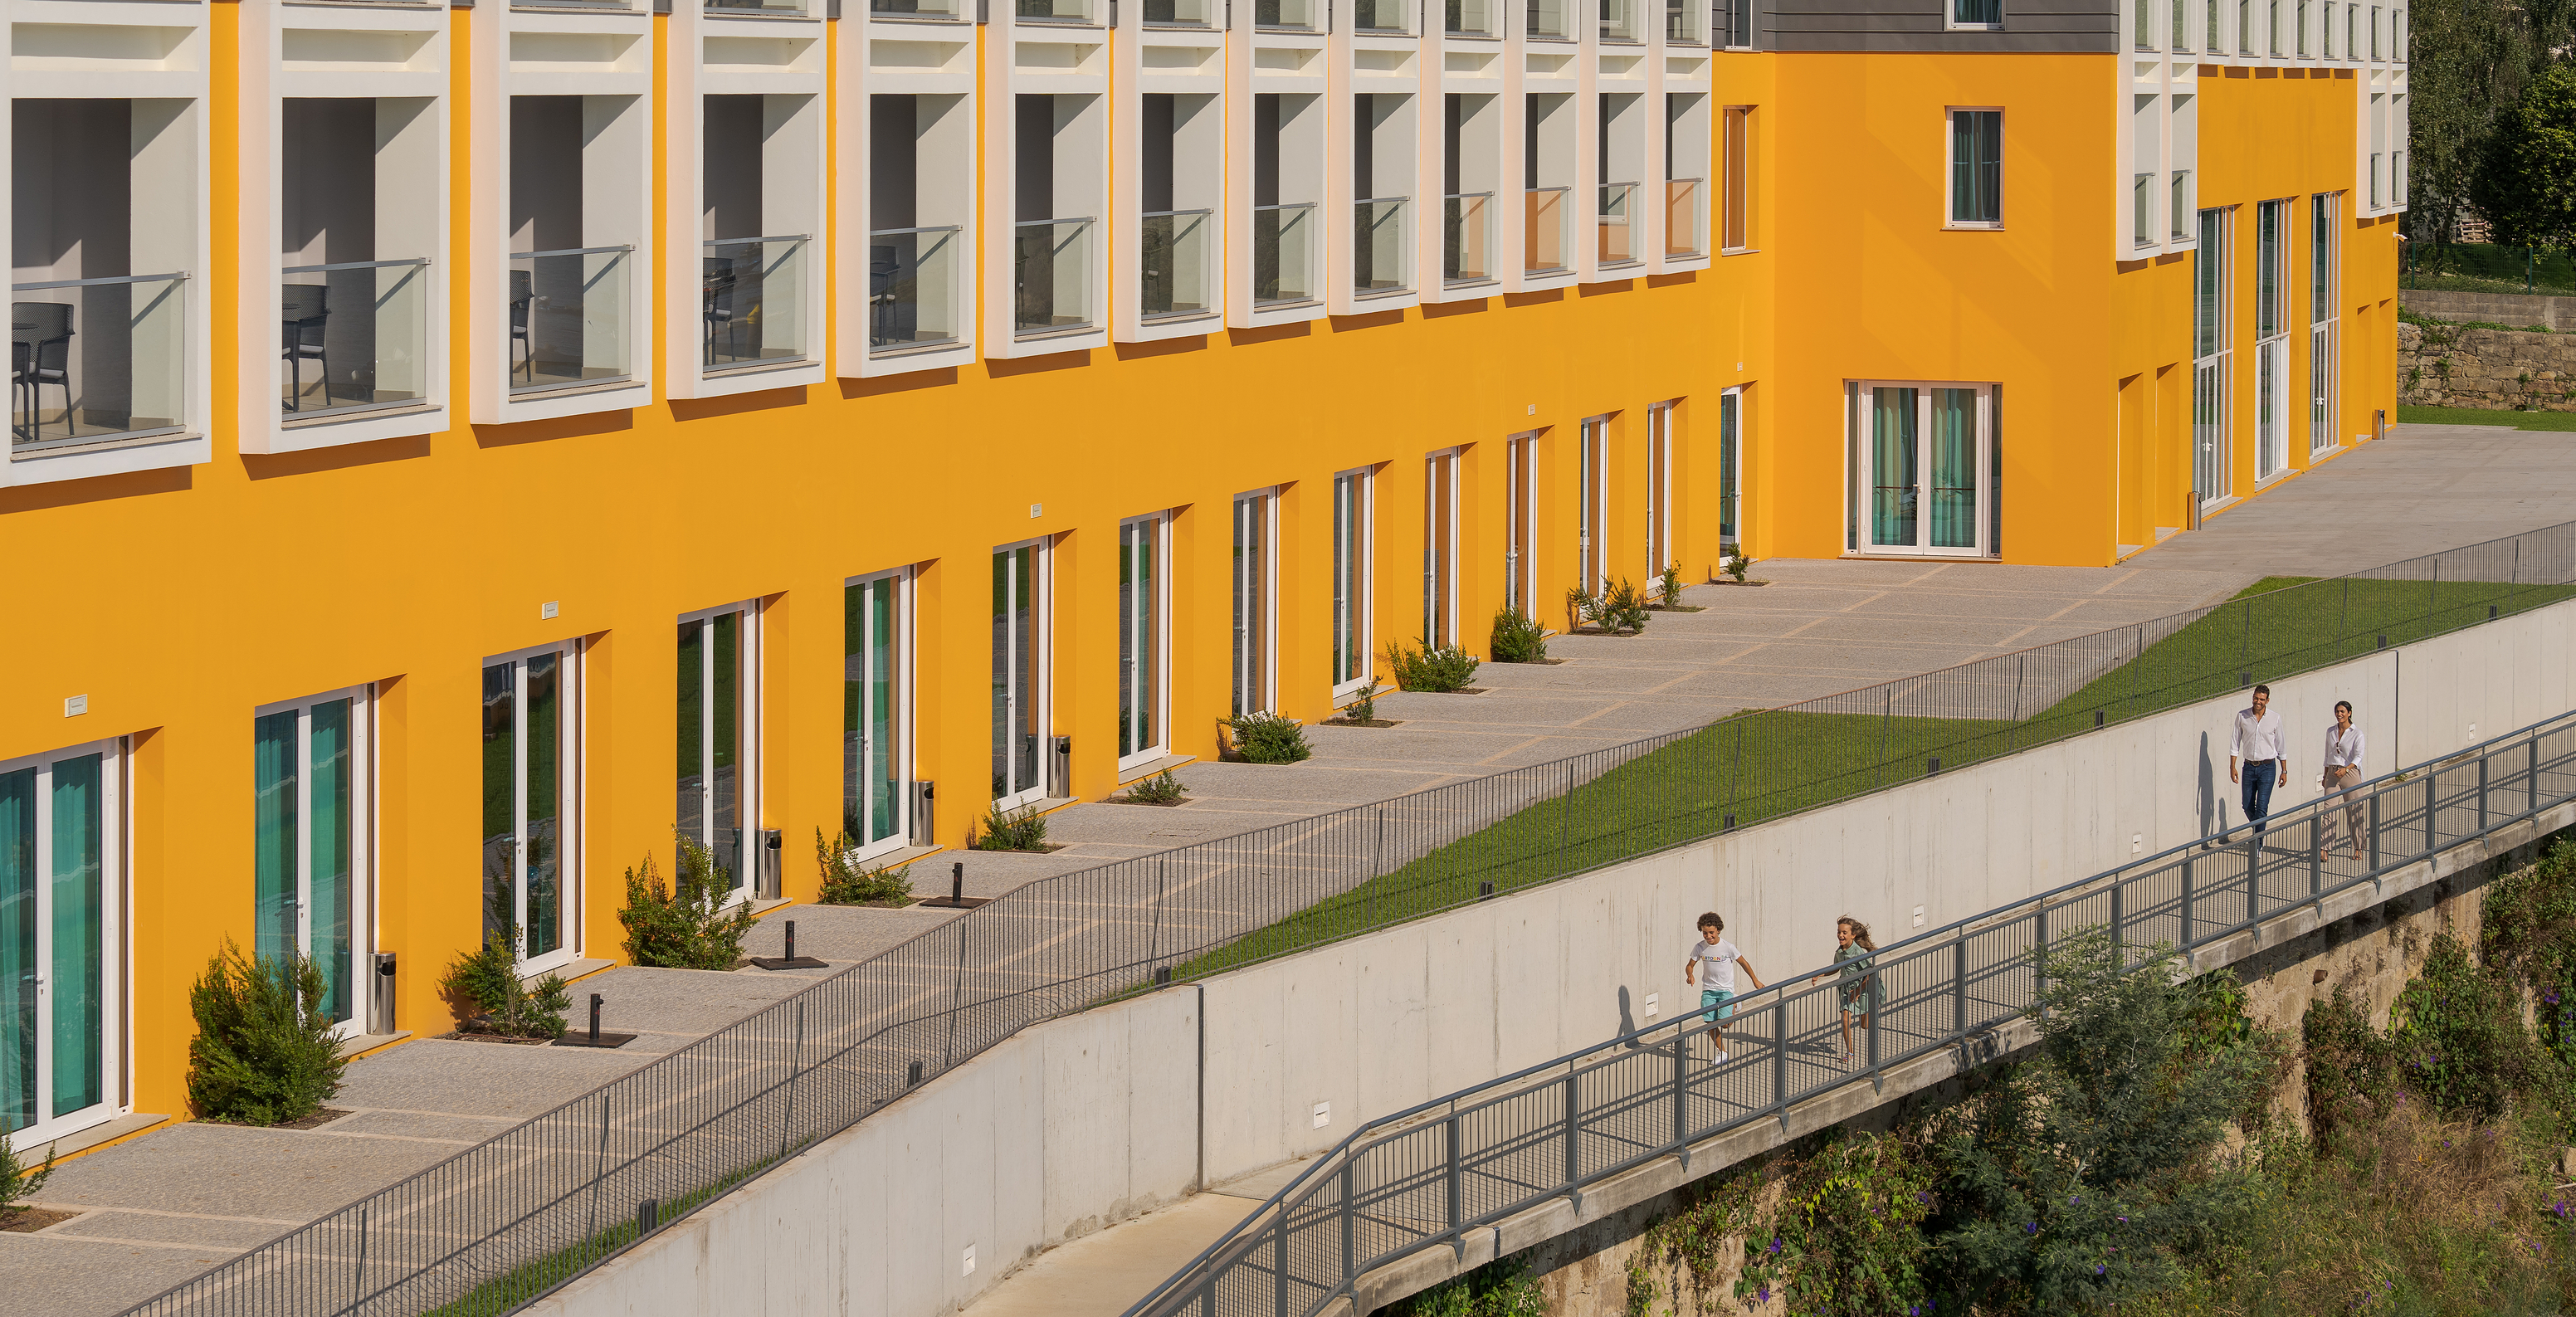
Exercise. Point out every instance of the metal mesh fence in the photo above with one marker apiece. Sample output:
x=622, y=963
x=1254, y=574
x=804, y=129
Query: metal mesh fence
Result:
x=1418, y=1178
x=503, y=1222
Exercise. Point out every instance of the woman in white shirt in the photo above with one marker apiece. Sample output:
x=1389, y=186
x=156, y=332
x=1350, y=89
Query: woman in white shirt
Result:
x=2343, y=773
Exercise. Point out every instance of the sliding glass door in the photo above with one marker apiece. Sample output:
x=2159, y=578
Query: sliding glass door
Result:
x=1019, y=672
x=1730, y=472
x=1143, y=640
x=1660, y=550
x=1440, y=549
x=310, y=777
x=531, y=823
x=1520, y=520
x=719, y=671
x=1925, y=469
x=1354, y=548
x=1256, y=518
x=1592, y=506
x=876, y=709
x=61, y=887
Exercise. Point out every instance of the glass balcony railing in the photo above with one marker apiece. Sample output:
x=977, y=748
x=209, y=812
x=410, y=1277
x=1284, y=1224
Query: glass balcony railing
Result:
x=1619, y=20
x=1685, y=21
x=1178, y=263
x=1051, y=277
x=1295, y=14
x=1052, y=11
x=2182, y=208
x=354, y=337
x=1683, y=233
x=112, y=351
x=954, y=11
x=754, y=298
x=1471, y=18
x=2142, y=204
x=1545, y=222
x=1283, y=253
x=1615, y=240
x=1550, y=19
x=755, y=6
x=1467, y=238
x=1383, y=17
x=1382, y=245
x=1178, y=13
x=571, y=318
x=912, y=287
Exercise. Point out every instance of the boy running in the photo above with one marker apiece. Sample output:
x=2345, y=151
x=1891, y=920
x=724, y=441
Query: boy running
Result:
x=1722, y=959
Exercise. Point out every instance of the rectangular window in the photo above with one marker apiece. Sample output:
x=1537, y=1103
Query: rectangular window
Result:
x=1738, y=147
x=1254, y=569
x=2272, y=338
x=1354, y=549
x=2212, y=360
x=1976, y=168
x=719, y=669
x=531, y=819
x=1730, y=474
x=1660, y=550
x=1440, y=550
x=1977, y=13
x=1520, y=514
x=1928, y=469
x=1592, y=504
x=876, y=709
x=2302, y=28
x=310, y=773
x=62, y=888
x=1144, y=638
x=1021, y=638
x=2323, y=323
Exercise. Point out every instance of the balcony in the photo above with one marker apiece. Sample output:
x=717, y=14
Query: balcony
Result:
x=354, y=337
x=1285, y=15
x=774, y=8
x=571, y=318
x=1467, y=238
x=1283, y=254
x=1471, y=18
x=1178, y=13
x=113, y=349
x=912, y=287
x=1619, y=21
x=1052, y=11
x=1382, y=246
x=1550, y=20
x=753, y=292
x=2182, y=208
x=2142, y=209
x=1051, y=277
x=1615, y=240
x=1685, y=22
x=1683, y=233
x=1390, y=18
x=949, y=11
x=1178, y=265
x=1544, y=230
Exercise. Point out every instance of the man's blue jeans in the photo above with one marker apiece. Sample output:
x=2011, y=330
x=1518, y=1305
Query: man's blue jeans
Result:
x=2257, y=781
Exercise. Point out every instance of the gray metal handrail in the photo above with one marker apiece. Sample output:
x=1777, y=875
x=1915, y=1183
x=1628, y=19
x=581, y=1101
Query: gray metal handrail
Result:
x=1951, y=983
x=573, y=251
x=337, y=266
x=181, y=276
x=745, y=242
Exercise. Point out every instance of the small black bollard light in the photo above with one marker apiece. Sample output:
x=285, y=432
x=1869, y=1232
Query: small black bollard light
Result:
x=2491, y=612
x=1730, y=824
x=912, y=1076
x=1932, y=765
x=791, y=960
x=1484, y=891
x=1162, y=975
x=791, y=939
x=2097, y=717
x=648, y=1216
x=594, y=1038
x=595, y=1000
x=2244, y=679
x=957, y=883
x=2383, y=640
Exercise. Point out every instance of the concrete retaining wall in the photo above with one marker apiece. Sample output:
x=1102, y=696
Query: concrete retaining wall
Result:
x=1081, y=1122
x=2516, y=309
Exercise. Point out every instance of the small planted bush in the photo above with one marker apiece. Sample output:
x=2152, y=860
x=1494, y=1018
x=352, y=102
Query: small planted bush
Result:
x=1517, y=639
x=485, y=984
x=1621, y=609
x=1737, y=566
x=16, y=1181
x=1363, y=706
x=685, y=926
x=1447, y=668
x=1160, y=789
x=264, y=1052
x=1022, y=829
x=848, y=882
x=1668, y=586
x=1268, y=738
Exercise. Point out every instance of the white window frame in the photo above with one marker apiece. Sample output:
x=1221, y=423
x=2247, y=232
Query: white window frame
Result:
x=1041, y=663
x=1250, y=691
x=1520, y=523
x=2212, y=374
x=1592, y=502
x=1660, y=551
x=2272, y=352
x=571, y=800
x=747, y=669
x=1730, y=418
x=1440, y=560
x=1950, y=18
x=116, y=949
x=1950, y=169
x=362, y=839
x=1987, y=491
x=1355, y=493
x=2325, y=336
x=1159, y=698
x=901, y=716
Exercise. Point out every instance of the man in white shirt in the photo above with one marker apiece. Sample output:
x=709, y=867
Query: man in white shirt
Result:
x=2259, y=744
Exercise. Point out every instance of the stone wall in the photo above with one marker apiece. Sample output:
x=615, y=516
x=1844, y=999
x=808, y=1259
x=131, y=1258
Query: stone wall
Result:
x=2520, y=310
x=2449, y=365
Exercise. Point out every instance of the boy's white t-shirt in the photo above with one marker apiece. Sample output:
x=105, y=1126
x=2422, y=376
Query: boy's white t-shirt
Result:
x=1716, y=963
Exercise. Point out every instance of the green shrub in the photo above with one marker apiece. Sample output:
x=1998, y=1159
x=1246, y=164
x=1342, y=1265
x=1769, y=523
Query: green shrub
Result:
x=16, y=1181
x=847, y=882
x=1517, y=639
x=1160, y=789
x=1737, y=566
x=1363, y=706
x=1622, y=609
x=264, y=1051
x=1447, y=668
x=2352, y=1072
x=688, y=926
x=1269, y=738
x=1579, y=604
x=2459, y=1038
x=1669, y=585
x=1022, y=829
x=1501, y=1288
x=486, y=983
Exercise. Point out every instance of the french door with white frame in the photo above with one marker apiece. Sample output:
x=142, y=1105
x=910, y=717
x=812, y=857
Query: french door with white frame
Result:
x=2323, y=322
x=2213, y=361
x=1924, y=454
x=62, y=941
x=1021, y=652
x=1730, y=471
x=718, y=720
x=876, y=710
x=1255, y=574
x=313, y=861
x=532, y=803
x=1354, y=551
x=1144, y=639
x=1592, y=506
x=1440, y=549
x=2272, y=388
x=1520, y=520
x=1660, y=550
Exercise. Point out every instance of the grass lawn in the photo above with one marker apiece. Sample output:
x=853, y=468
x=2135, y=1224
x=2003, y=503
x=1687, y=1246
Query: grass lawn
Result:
x=1763, y=764
x=2562, y=421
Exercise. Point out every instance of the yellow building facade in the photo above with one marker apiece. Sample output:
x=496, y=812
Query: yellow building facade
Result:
x=760, y=419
